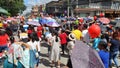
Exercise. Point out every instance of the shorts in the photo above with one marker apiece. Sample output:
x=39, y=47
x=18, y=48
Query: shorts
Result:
x=2, y=48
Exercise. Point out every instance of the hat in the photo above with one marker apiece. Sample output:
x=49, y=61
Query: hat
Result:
x=71, y=37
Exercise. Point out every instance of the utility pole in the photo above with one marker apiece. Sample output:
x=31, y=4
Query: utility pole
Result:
x=68, y=8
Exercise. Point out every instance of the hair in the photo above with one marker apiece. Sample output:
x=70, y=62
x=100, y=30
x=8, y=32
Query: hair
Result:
x=56, y=39
x=104, y=45
x=75, y=26
x=85, y=26
x=34, y=37
x=2, y=32
x=12, y=39
x=56, y=36
x=115, y=34
x=102, y=36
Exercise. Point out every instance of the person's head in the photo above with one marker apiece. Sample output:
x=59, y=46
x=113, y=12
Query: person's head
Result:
x=75, y=26
x=85, y=26
x=115, y=35
x=12, y=39
x=56, y=36
x=102, y=45
x=34, y=37
x=102, y=36
x=2, y=32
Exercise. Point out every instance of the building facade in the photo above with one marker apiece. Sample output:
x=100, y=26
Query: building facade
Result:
x=111, y=8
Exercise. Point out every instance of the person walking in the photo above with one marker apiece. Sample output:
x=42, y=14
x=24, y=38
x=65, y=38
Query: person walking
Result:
x=114, y=49
x=55, y=49
x=17, y=57
x=63, y=39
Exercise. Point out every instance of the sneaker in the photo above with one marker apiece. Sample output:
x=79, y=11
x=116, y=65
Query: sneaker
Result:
x=58, y=66
x=52, y=65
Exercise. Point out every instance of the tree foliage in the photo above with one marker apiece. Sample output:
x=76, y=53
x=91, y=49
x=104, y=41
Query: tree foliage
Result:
x=12, y=6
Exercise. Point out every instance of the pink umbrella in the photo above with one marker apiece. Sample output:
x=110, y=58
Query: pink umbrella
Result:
x=11, y=19
x=33, y=23
x=104, y=20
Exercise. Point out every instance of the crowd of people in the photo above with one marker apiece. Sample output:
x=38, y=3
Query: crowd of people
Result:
x=26, y=52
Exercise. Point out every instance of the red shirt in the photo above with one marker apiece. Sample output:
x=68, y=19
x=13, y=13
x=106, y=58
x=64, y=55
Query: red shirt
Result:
x=39, y=33
x=29, y=31
x=63, y=38
x=39, y=28
x=3, y=39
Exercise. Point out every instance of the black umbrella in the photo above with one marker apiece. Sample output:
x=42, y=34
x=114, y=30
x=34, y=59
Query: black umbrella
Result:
x=84, y=56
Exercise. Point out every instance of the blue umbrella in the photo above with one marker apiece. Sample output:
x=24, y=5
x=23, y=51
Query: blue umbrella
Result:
x=42, y=21
x=52, y=22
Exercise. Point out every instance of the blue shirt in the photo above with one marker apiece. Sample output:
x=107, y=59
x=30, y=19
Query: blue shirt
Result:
x=104, y=55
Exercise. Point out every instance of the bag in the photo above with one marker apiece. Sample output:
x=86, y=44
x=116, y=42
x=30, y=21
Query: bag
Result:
x=36, y=54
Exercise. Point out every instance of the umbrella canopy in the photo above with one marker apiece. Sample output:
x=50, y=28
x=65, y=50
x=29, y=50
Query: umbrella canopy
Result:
x=3, y=11
x=52, y=23
x=42, y=21
x=11, y=19
x=94, y=30
x=33, y=23
x=84, y=56
x=104, y=20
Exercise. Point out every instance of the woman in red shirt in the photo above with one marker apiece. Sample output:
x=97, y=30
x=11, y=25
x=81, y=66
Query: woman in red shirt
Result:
x=63, y=38
x=3, y=41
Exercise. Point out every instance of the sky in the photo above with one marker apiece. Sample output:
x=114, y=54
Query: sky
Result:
x=30, y=3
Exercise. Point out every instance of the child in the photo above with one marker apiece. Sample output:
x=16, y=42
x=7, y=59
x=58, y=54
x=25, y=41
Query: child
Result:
x=103, y=53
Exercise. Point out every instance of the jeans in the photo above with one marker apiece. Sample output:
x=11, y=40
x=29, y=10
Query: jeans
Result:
x=114, y=56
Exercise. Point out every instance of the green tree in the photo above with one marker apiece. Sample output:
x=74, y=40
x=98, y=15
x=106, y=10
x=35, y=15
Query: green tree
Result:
x=13, y=6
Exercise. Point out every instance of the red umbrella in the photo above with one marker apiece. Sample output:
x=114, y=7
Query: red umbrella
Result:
x=94, y=31
x=104, y=20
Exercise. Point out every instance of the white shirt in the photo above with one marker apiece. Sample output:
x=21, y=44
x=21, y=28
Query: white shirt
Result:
x=38, y=45
x=86, y=36
x=32, y=45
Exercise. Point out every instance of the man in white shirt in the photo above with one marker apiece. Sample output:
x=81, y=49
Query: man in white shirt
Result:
x=85, y=35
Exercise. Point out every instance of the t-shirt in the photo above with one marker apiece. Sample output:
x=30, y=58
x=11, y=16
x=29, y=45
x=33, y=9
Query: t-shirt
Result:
x=3, y=39
x=1, y=25
x=95, y=43
x=63, y=38
x=86, y=36
x=104, y=57
x=115, y=44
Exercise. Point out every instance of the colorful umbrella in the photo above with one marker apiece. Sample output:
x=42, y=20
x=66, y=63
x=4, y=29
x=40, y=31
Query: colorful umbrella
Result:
x=83, y=56
x=42, y=21
x=11, y=19
x=52, y=23
x=104, y=20
x=33, y=23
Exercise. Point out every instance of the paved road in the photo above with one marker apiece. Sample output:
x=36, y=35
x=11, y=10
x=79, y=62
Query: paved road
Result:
x=45, y=62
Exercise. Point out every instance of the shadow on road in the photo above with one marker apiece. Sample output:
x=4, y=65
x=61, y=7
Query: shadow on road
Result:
x=45, y=62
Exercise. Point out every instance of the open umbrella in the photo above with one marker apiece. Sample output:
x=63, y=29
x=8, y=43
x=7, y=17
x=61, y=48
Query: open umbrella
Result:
x=33, y=23
x=11, y=19
x=3, y=11
x=84, y=56
x=104, y=20
x=52, y=23
x=42, y=21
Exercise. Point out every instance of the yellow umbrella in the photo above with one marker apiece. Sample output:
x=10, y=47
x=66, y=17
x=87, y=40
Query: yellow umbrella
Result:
x=77, y=34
